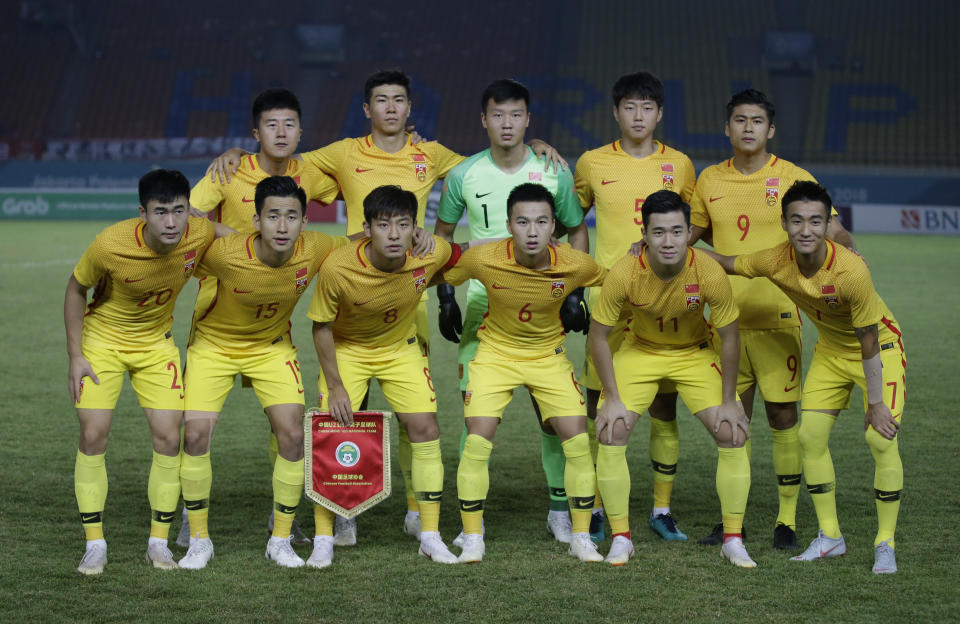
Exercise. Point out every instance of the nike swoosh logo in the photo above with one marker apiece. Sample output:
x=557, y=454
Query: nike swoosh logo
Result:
x=484, y=195
x=89, y=517
x=713, y=199
x=242, y=292
x=471, y=507
x=824, y=553
x=786, y=389
x=639, y=305
x=359, y=170
x=499, y=287
x=130, y=281
x=360, y=303
x=606, y=182
x=246, y=201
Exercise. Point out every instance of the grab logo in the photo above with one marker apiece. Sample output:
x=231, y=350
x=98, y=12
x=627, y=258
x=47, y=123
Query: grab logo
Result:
x=13, y=207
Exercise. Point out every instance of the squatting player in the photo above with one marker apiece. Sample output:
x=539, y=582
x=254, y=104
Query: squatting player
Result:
x=137, y=267
x=859, y=343
x=521, y=344
x=664, y=291
x=616, y=178
x=480, y=186
x=363, y=309
x=738, y=200
x=260, y=278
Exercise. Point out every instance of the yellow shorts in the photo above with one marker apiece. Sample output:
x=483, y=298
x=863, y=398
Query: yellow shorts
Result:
x=404, y=378
x=771, y=360
x=616, y=337
x=695, y=374
x=550, y=380
x=210, y=375
x=831, y=378
x=155, y=375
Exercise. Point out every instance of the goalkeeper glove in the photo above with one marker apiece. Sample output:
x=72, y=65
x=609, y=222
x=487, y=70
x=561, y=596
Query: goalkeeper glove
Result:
x=574, y=313
x=451, y=324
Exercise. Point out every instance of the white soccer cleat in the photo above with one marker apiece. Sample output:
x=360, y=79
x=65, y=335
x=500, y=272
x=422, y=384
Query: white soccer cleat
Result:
x=160, y=556
x=322, y=554
x=280, y=551
x=621, y=549
x=884, y=559
x=183, y=537
x=411, y=524
x=823, y=547
x=432, y=547
x=734, y=551
x=583, y=548
x=559, y=526
x=473, y=549
x=458, y=541
x=345, y=531
x=94, y=559
x=297, y=537
x=198, y=555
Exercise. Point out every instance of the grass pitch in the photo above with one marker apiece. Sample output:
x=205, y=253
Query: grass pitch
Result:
x=525, y=576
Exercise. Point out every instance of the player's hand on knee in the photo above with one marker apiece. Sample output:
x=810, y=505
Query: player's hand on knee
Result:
x=340, y=407
x=450, y=320
x=423, y=243
x=79, y=368
x=879, y=417
x=574, y=313
x=735, y=418
x=608, y=415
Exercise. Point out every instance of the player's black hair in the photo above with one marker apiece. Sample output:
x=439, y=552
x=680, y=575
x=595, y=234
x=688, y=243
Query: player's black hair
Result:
x=806, y=190
x=662, y=202
x=530, y=192
x=385, y=77
x=278, y=186
x=388, y=201
x=163, y=185
x=273, y=99
x=641, y=85
x=751, y=96
x=503, y=90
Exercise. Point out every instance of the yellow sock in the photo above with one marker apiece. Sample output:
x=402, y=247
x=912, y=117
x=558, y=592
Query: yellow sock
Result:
x=274, y=449
x=287, y=486
x=196, y=478
x=579, y=479
x=323, y=520
x=473, y=482
x=90, y=486
x=594, y=447
x=405, y=458
x=787, y=464
x=818, y=467
x=887, y=484
x=163, y=492
x=664, y=453
x=733, y=486
x=426, y=477
x=613, y=477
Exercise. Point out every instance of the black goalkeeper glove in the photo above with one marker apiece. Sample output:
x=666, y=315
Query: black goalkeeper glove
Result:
x=574, y=313
x=451, y=323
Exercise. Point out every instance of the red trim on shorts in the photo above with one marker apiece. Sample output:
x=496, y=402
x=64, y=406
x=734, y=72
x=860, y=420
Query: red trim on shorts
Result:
x=903, y=353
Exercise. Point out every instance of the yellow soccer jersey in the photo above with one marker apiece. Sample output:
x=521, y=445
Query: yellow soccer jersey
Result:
x=233, y=202
x=617, y=184
x=523, y=315
x=667, y=315
x=744, y=212
x=370, y=308
x=136, y=288
x=254, y=301
x=837, y=299
x=359, y=166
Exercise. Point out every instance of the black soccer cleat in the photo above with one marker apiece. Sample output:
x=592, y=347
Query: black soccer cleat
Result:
x=716, y=537
x=784, y=538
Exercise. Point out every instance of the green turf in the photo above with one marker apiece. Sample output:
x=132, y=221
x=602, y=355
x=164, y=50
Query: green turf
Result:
x=525, y=576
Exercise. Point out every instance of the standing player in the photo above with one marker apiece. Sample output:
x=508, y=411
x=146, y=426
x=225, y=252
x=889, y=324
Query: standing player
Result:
x=260, y=278
x=616, y=178
x=137, y=266
x=860, y=343
x=363, y=308
x=664, y=291
x=480, y=186
x=738, y=200
x=521, y=344
x=276, y=127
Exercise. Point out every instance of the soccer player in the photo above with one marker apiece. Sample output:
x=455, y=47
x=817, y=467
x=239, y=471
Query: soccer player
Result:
x=480, y=186
x=276, y=127
x=521, y=344
x=137, y=267
x=738, y=200
x=859, y=343
x=616, y=178
x=363, y=309
x=664, y=291
x=260, y=278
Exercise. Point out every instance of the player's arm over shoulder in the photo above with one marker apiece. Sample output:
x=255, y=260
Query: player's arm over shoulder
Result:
x=590, y=273
x=761, y=263
x=329, y=158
